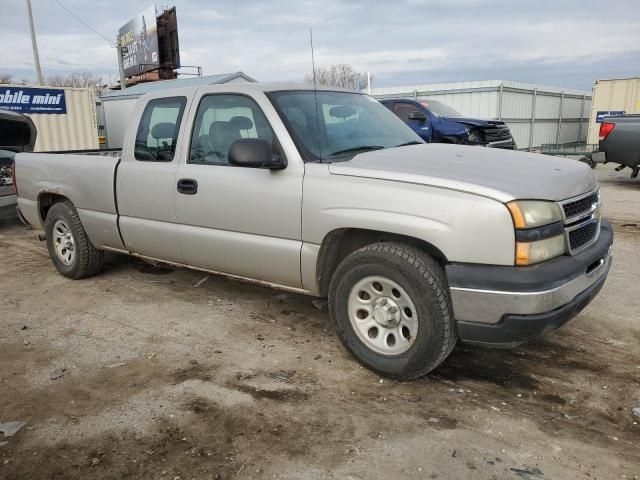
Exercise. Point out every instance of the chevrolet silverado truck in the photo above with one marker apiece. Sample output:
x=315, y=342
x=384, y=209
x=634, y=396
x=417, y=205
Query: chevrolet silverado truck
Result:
x=620, y=141
x=436, y=122
x=327, y=193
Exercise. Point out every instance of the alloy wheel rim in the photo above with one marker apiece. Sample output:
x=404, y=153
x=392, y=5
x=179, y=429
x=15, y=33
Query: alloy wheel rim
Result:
x=383, y=315
x=64, y=243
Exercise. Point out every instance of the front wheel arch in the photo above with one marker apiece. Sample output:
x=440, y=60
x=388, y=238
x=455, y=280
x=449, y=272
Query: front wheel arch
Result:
x=341, y=242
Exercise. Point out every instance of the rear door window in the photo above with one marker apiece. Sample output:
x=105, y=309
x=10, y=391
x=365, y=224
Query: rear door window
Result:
x=158, y=130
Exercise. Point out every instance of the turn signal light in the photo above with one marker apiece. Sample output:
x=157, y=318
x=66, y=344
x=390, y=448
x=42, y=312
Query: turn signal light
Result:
x=522, y=253
x=516, y=215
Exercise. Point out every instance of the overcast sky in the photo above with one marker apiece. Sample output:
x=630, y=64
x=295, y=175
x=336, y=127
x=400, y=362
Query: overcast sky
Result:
x=567, y=43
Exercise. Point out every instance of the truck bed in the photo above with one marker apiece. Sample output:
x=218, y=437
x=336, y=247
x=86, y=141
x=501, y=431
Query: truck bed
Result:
x=86, y=178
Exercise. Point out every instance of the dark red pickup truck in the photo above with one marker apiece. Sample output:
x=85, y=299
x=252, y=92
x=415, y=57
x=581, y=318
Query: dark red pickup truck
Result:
x=17, y=134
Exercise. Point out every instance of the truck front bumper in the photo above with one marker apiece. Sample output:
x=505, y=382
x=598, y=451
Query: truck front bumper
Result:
x=506, y=306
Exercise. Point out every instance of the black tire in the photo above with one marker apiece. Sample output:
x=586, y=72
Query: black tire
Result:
x=425, y=282
x=88, y=260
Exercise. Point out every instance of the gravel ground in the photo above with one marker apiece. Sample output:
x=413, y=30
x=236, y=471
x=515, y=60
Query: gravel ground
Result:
x=151, y=373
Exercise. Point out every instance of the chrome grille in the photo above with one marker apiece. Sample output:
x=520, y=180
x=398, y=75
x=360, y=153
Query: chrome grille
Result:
x=581, y=206
x=581, y=221
x=496, y=134
x=582, y=236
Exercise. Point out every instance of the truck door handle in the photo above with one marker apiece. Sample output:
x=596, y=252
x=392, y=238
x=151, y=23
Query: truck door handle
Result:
x=187, y=186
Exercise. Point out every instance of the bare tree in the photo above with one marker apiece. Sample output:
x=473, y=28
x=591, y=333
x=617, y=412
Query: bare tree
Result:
x=341, y=75
x=79, y=80
x=5, y=78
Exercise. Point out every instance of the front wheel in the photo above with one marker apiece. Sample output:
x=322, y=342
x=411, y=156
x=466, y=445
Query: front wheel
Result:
x=391, y=307
x=70, y=249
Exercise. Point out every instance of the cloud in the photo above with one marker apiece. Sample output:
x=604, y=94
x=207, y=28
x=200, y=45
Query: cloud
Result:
x=400, y=42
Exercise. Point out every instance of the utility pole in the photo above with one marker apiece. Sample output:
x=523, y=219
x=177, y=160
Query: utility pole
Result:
x=368, y=83
x=123, y=80
x=34, y=44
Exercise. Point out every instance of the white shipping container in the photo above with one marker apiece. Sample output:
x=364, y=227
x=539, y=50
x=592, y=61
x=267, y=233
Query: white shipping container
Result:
x=615, y=95
x=75, y=130
x=535, y=114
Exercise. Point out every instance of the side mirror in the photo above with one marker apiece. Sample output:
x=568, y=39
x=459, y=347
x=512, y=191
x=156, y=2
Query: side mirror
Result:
x=417, y=115
x=255, y=153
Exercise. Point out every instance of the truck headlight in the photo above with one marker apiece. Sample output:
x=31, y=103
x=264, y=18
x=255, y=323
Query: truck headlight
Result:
x=539, y=231
x=473, y=135
x=534, y=213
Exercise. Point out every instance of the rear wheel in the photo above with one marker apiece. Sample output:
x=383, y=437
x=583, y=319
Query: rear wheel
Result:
x=70, y=249
x=391, y=307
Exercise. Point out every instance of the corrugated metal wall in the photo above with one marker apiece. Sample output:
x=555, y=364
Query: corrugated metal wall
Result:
x=622, y=95
x=514, y=103
x=75, y=130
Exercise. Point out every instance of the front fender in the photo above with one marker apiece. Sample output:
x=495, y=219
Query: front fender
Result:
x=464, y=227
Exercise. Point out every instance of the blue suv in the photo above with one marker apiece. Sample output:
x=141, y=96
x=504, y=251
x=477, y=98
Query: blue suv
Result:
x=436, y=122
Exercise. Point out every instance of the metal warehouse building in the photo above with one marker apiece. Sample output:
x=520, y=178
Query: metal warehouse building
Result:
x=536, y=114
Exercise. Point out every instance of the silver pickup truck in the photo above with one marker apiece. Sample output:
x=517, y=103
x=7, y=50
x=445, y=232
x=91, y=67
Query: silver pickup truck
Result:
x=327, y=193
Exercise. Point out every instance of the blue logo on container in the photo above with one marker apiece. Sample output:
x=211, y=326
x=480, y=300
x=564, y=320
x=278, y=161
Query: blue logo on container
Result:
x=600, y=115
x=33, y=100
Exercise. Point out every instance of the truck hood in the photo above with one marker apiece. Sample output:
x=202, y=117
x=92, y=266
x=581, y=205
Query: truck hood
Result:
x=499, y=174
x=476, y=122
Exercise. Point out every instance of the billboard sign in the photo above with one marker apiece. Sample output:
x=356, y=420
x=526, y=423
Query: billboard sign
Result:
x=139, y=40
x=33, y=100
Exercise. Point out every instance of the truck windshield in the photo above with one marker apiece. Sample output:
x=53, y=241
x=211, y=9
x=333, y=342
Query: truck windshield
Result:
x=440, y=109
x=340, y=125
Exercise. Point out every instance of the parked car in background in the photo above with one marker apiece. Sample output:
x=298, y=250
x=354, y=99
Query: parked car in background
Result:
x=17, y=134
x=328, y=193
x=620, y=141
x=436, y=122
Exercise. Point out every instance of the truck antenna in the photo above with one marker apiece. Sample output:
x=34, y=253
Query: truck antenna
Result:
x=315, y=92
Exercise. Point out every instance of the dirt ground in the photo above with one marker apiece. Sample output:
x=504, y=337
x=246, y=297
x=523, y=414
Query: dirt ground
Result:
x=150, y=373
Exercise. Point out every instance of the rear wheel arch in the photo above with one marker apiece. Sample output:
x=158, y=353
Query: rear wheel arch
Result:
x=46, y=200
x=340, y=243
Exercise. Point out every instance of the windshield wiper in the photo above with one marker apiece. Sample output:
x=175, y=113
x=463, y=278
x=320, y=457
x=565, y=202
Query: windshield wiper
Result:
x=413, y=142
x=360, y=148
